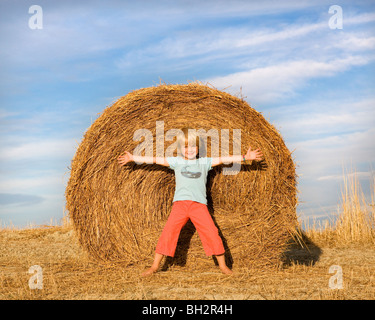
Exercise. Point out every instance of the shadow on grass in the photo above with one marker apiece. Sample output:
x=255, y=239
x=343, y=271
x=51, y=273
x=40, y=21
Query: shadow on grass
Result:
x=302, y=252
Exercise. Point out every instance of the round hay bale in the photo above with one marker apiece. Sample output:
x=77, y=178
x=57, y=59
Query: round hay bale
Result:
x=119, y=212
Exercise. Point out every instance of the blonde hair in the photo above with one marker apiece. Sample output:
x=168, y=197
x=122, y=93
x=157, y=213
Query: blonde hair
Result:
x=188, y=136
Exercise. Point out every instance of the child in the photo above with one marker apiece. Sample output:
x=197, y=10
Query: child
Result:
x=189, y=200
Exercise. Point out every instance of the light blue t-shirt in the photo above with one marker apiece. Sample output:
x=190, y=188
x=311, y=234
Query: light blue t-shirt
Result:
x=191, y=178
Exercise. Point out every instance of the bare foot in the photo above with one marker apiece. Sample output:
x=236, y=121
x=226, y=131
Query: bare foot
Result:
x=149, y=272
x=226, y=270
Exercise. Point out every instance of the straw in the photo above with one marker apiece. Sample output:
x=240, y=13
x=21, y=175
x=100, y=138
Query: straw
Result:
x=119, y=212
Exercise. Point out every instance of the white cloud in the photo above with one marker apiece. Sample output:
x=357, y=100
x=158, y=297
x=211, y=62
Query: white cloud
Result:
x=4, y=114
x=322, y=117
x=220, y=41
x=356, y=174
x=320, y=157
x=247, y=45
x=51, y=209
x=359, y=19
x=275, y=82
x=19, y=199
x=38, y=149
x=263, y=37
x=237, y=44
x=354, y=42
x=39, y=183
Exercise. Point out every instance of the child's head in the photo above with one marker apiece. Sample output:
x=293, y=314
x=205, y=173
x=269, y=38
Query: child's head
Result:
x=188, y=143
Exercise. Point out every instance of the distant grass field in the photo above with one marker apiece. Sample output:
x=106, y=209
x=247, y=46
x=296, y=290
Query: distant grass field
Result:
x=306, y=271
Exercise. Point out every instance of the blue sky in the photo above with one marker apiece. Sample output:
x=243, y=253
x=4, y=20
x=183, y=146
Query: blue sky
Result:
x=314, y=83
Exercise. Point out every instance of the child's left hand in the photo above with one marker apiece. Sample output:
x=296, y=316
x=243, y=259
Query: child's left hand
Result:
x=256, y=155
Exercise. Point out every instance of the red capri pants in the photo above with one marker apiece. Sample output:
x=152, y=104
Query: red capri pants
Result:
x=198, y=213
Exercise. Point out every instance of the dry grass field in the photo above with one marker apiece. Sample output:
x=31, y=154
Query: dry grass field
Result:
x=304, y=274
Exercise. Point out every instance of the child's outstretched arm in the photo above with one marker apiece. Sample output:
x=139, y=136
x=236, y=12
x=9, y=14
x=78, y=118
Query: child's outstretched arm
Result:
x=128, y=157
x=250, y=155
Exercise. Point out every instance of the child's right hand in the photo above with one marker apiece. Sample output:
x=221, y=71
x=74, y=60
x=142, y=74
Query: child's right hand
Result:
x=125, y=158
